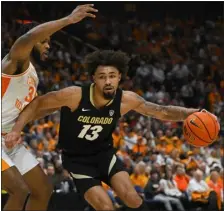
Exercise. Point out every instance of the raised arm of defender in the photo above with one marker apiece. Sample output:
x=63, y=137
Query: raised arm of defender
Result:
x=20, y=51
x=132, y=101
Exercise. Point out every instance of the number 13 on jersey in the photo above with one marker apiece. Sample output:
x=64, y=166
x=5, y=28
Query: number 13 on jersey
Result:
x=94, y=130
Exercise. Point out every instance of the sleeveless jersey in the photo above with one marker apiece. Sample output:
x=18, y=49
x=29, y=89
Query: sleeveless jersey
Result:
x=88, y=130
x=17, y=92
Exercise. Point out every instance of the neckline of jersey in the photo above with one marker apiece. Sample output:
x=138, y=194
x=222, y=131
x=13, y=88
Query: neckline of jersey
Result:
x=91, y=98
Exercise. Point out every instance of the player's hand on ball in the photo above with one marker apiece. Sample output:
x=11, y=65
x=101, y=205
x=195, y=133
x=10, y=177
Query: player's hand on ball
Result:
x=204, y=110
x=81, y=12
x=12, y=138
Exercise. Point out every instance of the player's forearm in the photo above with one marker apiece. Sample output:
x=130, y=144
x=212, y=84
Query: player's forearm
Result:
x=45, y=30
x=43, y=113
x=171, y=113
x=176, y=113
x=28, y=114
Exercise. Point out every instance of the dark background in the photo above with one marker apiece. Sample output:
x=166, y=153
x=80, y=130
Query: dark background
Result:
x=146, y=10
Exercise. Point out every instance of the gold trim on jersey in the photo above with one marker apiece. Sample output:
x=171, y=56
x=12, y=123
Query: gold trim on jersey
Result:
x=91, y=94
x=91, y=97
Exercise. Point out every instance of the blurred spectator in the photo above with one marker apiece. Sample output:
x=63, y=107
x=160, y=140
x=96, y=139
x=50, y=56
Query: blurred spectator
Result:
x=139, y=178
x=181, y=179
x=170, y=189
x=173, y=62
x=140, y=149
x=200, y=193
x=216, y=184
x=117, y=138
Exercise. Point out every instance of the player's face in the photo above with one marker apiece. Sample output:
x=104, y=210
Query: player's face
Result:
x=41, y=50
x=106, y=79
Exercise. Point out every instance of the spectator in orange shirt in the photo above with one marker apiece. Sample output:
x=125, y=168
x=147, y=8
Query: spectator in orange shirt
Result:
x=117, y=138
x=172, y=141
x=214, y=98
x=161, y=147
x=181, y=179
x=140, y=148
x=51, y=142
x=216, y=184
x=159, y=135
x=138, y=178
x=123, y=126
x=122, y=152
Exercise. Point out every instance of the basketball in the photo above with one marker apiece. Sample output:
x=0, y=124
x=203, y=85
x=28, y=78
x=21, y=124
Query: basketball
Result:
x=201, y=129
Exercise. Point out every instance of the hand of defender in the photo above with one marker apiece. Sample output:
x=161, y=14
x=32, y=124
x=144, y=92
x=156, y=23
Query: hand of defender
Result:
x=12, y=138
x=81, y=12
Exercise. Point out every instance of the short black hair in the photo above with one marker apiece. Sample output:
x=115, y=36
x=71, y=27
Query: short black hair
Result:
x=113, y=58
x=24, y=28
x=154, y=171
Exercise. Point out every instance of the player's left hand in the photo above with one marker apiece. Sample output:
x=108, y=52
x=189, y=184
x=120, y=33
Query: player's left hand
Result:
x=12, y=138
x=204, y=110
x=81, y=12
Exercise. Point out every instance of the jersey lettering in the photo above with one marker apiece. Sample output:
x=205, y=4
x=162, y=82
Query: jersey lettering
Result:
x=94, y=134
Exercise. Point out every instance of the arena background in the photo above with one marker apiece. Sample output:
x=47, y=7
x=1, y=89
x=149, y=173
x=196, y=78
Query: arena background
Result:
x=176, y=51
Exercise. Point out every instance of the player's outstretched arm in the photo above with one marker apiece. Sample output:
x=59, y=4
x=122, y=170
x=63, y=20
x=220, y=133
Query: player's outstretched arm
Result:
x=23, y=46
x=42, y=106
x=51, y=101
x=132, y=101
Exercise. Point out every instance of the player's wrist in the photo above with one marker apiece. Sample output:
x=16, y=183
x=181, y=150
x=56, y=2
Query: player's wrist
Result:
x=67, y=20
x=193, y=110
x=17, y=129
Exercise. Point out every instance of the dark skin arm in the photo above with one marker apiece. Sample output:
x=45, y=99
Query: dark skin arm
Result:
x=132, y=101
x=19, y=55
x=41, y=115
x=42, y=106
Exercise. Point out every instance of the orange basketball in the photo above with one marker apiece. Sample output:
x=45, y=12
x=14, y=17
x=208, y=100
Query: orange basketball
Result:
x=201, y=129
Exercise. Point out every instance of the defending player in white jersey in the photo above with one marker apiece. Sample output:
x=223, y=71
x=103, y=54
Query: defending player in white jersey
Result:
x=21, y=174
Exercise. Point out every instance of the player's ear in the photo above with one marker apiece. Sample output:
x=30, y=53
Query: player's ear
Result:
x=119, y=76
x=93, y=76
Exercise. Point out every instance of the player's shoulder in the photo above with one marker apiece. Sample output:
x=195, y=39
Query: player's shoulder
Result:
x=10, y=66
x=130, y=96
x=69, y=96
x=72, y=90
x=7, y=65
x=130, y=100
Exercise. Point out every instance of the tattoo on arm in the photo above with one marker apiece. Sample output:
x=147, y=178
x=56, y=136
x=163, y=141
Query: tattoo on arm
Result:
x=174, y=113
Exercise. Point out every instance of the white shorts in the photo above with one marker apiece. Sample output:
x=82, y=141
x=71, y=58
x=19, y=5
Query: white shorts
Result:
x=20, y=157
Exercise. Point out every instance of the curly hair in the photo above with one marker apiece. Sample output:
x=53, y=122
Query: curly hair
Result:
x=113, y=58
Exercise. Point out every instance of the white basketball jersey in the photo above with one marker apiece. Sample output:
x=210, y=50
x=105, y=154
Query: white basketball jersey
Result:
x=17, y=92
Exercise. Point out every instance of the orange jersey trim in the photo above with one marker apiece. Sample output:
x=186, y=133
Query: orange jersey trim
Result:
x=5, y=165
x=5, y=84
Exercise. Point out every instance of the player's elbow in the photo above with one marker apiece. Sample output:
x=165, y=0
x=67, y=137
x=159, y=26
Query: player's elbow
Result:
x=24, y=39
x=35, y=104
x=40, y=103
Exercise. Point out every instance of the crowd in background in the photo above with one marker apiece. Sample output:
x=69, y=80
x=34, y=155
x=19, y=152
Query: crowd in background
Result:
x=174, y=62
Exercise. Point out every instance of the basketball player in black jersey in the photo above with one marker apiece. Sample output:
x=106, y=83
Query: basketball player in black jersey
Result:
x=89, y=115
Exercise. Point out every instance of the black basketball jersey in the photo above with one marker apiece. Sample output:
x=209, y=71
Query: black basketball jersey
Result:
x=88, y=130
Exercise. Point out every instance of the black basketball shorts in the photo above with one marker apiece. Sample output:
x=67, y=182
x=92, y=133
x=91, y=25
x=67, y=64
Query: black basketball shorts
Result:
x=89, y=171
